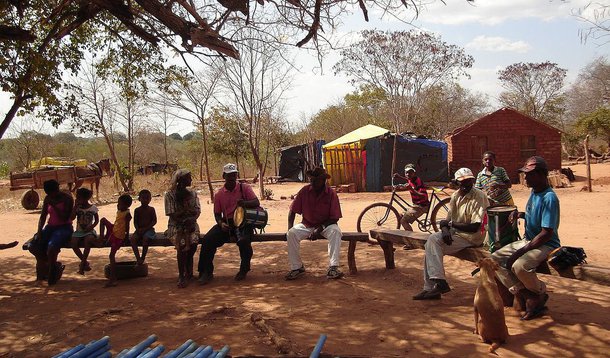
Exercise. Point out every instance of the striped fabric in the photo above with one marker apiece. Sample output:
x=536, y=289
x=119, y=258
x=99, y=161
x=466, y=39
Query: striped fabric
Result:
x=498, y=176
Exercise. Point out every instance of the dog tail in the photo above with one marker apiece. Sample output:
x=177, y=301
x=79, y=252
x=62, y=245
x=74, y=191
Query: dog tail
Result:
x=494, y=346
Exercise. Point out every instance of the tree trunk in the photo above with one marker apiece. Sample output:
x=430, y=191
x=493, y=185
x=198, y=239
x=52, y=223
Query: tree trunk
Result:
x=204, y=134
x=11, y=114
x=119, y=172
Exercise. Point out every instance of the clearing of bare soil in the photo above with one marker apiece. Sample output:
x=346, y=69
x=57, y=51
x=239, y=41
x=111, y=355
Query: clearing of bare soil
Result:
x=370, y=313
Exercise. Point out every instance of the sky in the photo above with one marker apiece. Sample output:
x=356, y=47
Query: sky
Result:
x=497, y=33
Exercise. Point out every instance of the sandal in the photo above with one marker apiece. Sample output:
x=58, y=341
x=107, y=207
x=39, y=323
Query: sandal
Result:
x=333, y=273
x=181, y=283
x=56, y=274
x=294, y=274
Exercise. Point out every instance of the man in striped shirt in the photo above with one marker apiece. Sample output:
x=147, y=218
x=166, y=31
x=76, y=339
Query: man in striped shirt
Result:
x=419, y=196
x=494, y=181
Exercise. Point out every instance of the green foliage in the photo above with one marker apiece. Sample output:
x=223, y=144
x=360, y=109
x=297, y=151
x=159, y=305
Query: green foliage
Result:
x=4, y=170
x=177, y=136
x=596, y=123
x=268, y=194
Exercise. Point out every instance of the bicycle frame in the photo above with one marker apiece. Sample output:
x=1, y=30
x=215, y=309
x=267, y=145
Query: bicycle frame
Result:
x=425, y=224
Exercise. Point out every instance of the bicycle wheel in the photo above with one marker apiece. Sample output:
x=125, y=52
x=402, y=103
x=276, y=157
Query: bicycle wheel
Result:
x=378, y=215
x=439, y=213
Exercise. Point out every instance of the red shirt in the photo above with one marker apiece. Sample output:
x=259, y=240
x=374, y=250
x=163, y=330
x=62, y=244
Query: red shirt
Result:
x=225, y=201
x=419, y=195
x=316, y=209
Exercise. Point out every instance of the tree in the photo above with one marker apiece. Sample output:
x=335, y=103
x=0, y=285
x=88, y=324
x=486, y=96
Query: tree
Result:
x=193, y=94
x=47, y=36
x=177, y=136
x=535, y=89
x=596, y=123
x=591, y=88
x=226, y=138
x=402, y=64
x=95, y=114
x=257, y=84
x=596, y=15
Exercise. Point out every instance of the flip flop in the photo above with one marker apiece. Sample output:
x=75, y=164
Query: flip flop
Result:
x=182, y=283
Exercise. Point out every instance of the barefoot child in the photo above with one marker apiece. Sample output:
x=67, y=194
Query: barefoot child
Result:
x=116, y=233
x=144, y=220
x=87, y=218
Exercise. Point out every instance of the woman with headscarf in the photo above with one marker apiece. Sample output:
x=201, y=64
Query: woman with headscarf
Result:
x=182, y=207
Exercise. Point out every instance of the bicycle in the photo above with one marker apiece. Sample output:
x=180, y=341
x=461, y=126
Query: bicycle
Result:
x=385, y=215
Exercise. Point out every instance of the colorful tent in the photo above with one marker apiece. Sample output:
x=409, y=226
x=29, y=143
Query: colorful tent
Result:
x=343, y=157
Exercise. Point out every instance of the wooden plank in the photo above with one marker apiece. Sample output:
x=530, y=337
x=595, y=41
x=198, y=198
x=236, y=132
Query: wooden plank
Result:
x=417, y=240
x=161, y=241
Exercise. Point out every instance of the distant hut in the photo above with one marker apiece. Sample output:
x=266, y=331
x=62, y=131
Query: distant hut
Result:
x=512, y=135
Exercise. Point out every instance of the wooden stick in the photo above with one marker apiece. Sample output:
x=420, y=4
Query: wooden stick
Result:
x=588, y=161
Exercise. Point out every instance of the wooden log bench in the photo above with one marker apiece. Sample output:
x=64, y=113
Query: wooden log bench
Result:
x=161, y=241
x=417, y=240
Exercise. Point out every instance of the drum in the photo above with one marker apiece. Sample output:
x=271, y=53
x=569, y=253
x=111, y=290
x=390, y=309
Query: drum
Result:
x=501, y=226
x=253, y=217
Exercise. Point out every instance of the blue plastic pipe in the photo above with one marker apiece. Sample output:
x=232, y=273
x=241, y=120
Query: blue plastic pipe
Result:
x=223, y=352
x=204, y=353
x=122, y=353
x=318, y=348
x=92, y=347
x=188, y=350
x=70, y=351
x=105, y=355
x=175, y=353
x=100, y=351
x=138, y=348
x=155, y=352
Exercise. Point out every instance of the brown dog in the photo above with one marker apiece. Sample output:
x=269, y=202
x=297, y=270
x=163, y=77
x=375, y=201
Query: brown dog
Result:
x=489, y=305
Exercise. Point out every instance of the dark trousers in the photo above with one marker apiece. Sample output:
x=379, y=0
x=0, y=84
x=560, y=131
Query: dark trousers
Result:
x=215, y=238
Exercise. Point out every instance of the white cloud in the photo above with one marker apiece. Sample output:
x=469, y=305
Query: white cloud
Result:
x=497, y=44
x=493, y=12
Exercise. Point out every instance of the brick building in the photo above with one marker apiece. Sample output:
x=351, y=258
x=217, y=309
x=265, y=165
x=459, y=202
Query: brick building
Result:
x=513, y=136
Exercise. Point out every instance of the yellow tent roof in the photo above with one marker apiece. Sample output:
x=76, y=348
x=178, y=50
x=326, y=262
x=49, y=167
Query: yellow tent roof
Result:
x=366, y=132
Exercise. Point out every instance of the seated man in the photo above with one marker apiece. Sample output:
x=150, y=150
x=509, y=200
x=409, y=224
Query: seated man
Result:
x=419, y=197
x=319, y=206
x=518, y=260
x=462, y=229
x=226, y=200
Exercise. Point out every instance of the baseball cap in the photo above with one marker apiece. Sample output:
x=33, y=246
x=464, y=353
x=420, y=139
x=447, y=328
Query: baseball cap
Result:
x=463, y=173
x=229, y=168
x=409, y=167
x=534, y=163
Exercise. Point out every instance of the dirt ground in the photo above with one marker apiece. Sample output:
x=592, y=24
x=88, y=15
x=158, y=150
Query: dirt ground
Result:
x=367, y=314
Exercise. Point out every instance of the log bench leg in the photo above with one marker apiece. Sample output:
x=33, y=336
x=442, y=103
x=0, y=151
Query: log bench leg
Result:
x=351, y=257
x=388, y=253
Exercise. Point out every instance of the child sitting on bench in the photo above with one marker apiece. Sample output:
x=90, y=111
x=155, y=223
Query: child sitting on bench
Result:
x=116, y=233
x=144, y=220
x=87, y=218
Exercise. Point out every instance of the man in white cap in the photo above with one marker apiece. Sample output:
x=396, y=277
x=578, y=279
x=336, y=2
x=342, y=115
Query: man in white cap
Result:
x=462, y=229
x=226, y=200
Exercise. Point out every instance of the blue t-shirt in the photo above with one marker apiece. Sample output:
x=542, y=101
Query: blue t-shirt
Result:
x=542, y=210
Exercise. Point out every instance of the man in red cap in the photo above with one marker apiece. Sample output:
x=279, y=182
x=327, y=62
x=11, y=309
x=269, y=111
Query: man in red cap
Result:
x=518, y=260
x=320, y=210
x=462, y=229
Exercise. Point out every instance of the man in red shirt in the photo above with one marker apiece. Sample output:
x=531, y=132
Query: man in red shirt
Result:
x=226, y=200
x=419, y=196
x=319, y=207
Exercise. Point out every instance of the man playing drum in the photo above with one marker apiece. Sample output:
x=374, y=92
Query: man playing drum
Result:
x=518, y=261
x=320, y=209
x=494, y=181
x=462, y=229
x=226, y=200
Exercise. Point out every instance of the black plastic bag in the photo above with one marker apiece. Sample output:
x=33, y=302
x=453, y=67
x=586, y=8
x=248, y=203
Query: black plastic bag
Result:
x=566, y=257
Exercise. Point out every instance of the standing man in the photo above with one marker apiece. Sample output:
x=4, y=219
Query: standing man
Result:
x=518, y=260
x=494, y=181
x=319, y=207
x=226, y=200
x=461, y=230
